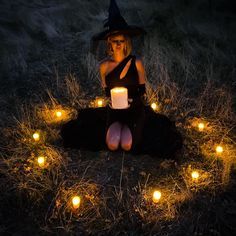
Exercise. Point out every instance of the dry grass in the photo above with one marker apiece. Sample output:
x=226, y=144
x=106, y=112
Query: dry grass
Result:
x=116, y=190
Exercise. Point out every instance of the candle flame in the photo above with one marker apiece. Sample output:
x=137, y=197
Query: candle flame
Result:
x=58, y=114
x=154, y=106
x=219, y=149
x=119, y=89
x=156, y=196
x=100, y=102
x=195, y=175
x=201, y=126
x=76, y=202
x=36, y=136
x=41, y=161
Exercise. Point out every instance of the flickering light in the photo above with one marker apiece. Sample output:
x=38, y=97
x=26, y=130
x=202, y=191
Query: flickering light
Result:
x=201, y=126
x=219, y=149
x=76, y=202
x=195, y=175
x=58, y=114
x=100, y=102
x=156, y=196
x=41, y=161
x=154, y=106
x=36, y=136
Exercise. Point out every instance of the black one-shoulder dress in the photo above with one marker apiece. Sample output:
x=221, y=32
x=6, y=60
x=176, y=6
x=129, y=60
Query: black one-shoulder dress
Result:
x=152, y=133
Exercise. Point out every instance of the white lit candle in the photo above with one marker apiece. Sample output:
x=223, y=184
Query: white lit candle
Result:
x=119, y=98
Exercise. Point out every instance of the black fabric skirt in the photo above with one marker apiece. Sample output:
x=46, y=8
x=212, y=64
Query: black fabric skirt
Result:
x=152, y=133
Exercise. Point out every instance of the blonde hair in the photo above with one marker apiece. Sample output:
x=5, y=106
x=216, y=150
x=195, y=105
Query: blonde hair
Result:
x=127, y=47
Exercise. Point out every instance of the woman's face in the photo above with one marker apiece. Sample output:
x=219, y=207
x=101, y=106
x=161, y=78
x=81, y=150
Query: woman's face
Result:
x=118, y=43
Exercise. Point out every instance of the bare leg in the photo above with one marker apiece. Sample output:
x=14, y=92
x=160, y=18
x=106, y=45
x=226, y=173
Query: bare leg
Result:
x=113, y=136
x=126, y=138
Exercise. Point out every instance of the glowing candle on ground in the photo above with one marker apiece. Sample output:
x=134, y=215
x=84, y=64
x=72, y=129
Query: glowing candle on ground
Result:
x=154, y=106
x=201, y=126
x=219, y=149
x=76, y=202
x=119, y=98
x=156, y=196
x=41, y=161
x=36, y=136
x=100, y=102
x=195, y=175
x=58, y=114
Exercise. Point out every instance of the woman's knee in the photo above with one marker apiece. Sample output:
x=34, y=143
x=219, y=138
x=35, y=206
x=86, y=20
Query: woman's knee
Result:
x=113, y=136
x=126, y=146
x=126, y=138
x=112, y=146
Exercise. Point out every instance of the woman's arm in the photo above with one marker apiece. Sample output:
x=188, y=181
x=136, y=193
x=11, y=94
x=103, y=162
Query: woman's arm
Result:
x=102, y=71
x=142, y=76
x=141, y=71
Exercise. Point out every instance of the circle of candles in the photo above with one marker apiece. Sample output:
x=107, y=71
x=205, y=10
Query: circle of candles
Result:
x=76, y=202
x=156, y=196
x=154, y=106
x=195, y=175
x=58, y=114
x=36, y=136
x=201, y=126
x=100, y=102
x=219, y=149
x=41, y=161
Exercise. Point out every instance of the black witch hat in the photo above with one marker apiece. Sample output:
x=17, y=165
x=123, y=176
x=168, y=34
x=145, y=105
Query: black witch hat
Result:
x=117, y=24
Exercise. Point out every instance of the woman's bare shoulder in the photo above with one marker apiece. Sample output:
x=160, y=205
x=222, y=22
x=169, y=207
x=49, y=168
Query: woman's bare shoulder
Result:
x=104, y=63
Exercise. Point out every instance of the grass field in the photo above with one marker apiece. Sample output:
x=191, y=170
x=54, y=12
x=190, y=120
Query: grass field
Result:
x=48, y=65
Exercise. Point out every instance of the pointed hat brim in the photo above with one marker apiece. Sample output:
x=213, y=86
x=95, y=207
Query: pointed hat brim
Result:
x=130, y=30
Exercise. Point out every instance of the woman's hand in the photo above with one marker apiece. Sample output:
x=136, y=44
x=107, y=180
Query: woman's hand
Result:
x=130, y=100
